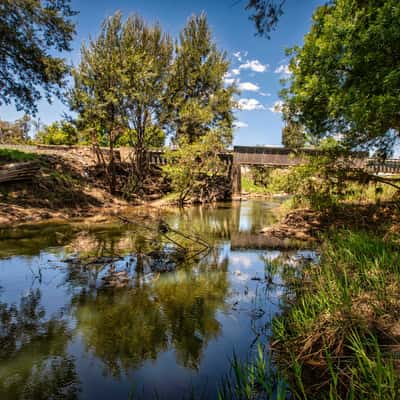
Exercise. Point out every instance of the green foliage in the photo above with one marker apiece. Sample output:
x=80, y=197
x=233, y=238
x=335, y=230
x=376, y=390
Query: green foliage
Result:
x=346, y=75
x=147, y=56
x=329, y=176
x=293, y=135
x=253, y=380
x=190, y=165
x=120, y=84
x=7, y=155
x=199, y=101
x=252, y=185
x=16, y=132
x=96, y=95
x=154, y=138
x=339, y=330
x=30, y=31
x=249, y=186
x=61, y=133
x=265, y=15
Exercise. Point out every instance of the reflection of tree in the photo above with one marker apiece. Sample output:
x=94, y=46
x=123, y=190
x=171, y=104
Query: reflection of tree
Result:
x=126, y=328
x=122, y=328
x=190, y=303
x=82, y=271
x=33, y=360
x=30, y=240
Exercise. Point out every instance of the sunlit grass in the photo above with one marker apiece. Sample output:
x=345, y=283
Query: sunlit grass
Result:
x=248, y=186
x=339, y=339
x=7, y=155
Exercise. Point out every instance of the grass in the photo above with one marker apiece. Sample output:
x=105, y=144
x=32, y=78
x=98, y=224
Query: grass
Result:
x=372, y=192
x=248, y=186
x=339, y=334
x=7, y=156
x=340, y=338
x=253, y=380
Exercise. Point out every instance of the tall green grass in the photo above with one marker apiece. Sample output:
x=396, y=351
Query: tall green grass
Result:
x=256, y=379
x=339, y=339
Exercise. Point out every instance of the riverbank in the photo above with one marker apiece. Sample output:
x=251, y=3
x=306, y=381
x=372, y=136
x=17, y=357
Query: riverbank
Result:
x=338, y=333
x=66, y=185
x=309, y=226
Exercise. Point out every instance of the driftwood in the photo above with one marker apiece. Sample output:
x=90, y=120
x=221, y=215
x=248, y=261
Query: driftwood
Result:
x=18, y=171
x=162, y=228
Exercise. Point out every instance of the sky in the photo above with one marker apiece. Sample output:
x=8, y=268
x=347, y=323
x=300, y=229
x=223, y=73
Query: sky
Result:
x=257, y=64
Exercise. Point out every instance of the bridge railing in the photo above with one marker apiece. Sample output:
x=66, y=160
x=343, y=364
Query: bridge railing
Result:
x=391, y=166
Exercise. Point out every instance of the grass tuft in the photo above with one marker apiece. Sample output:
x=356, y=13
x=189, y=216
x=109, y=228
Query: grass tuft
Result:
x=340, y=339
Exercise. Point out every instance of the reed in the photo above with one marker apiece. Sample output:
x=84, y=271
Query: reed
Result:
x=340, y=338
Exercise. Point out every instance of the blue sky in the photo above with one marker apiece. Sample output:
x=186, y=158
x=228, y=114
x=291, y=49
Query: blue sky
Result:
x=257, y=63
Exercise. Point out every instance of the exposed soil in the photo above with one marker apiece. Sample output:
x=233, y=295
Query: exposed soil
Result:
x=66, y=186
x=306, y=226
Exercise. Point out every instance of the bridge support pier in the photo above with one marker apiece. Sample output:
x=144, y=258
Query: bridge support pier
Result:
x=236, y=177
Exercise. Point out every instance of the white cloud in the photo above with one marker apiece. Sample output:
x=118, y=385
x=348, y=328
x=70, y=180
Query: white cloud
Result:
x=239, y=55
x=283, y=70
x=265, y=94
x=251, y=87
x=240, y=124
x=250, y=105
x=254, y=65
x=277, y=107
x=229, y=81
x=235, y=71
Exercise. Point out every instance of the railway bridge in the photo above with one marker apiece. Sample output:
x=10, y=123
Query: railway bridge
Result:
x=236, y=159
x=277, y=157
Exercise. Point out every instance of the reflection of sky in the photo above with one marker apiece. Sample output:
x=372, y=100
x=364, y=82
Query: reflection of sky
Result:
x=236, y=313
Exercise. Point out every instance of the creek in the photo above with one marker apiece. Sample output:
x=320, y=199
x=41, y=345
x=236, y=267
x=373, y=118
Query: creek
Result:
x=64, y=334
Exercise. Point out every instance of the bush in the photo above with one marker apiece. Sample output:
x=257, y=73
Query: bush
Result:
x=58, y=133
x=193, y=167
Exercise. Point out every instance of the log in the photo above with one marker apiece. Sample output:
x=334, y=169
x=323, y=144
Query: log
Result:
x=19, y=171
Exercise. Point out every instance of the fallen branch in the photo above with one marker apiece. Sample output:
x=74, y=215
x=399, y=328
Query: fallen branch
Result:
x=163, y=229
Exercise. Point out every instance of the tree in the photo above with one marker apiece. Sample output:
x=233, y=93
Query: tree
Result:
x=30, y=30
x=266, y=14
x=192, y=166
x=120, y=85
x=198, y=100
x=59, y=132
x=15, y=132
x=97, y=94
x=293, y=135
x=147, y=56
x=346, y=75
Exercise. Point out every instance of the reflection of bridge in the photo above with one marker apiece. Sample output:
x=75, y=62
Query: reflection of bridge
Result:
x=254, y=241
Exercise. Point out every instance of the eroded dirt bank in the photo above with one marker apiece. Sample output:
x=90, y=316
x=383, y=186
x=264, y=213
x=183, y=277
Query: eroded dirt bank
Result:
x=305, y=226
x=68, y=184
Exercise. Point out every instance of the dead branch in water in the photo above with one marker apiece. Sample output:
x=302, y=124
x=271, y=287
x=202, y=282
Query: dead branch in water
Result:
x=163, y=228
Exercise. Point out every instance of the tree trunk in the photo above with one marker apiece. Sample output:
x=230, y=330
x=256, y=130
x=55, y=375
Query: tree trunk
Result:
x=112, y=167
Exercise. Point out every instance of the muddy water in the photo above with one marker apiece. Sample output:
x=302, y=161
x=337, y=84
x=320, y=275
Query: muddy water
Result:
x=64, y=335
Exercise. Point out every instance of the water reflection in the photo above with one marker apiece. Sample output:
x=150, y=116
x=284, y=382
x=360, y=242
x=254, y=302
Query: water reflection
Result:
x=34, y=363
x=125, y=328
x=64, y=334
